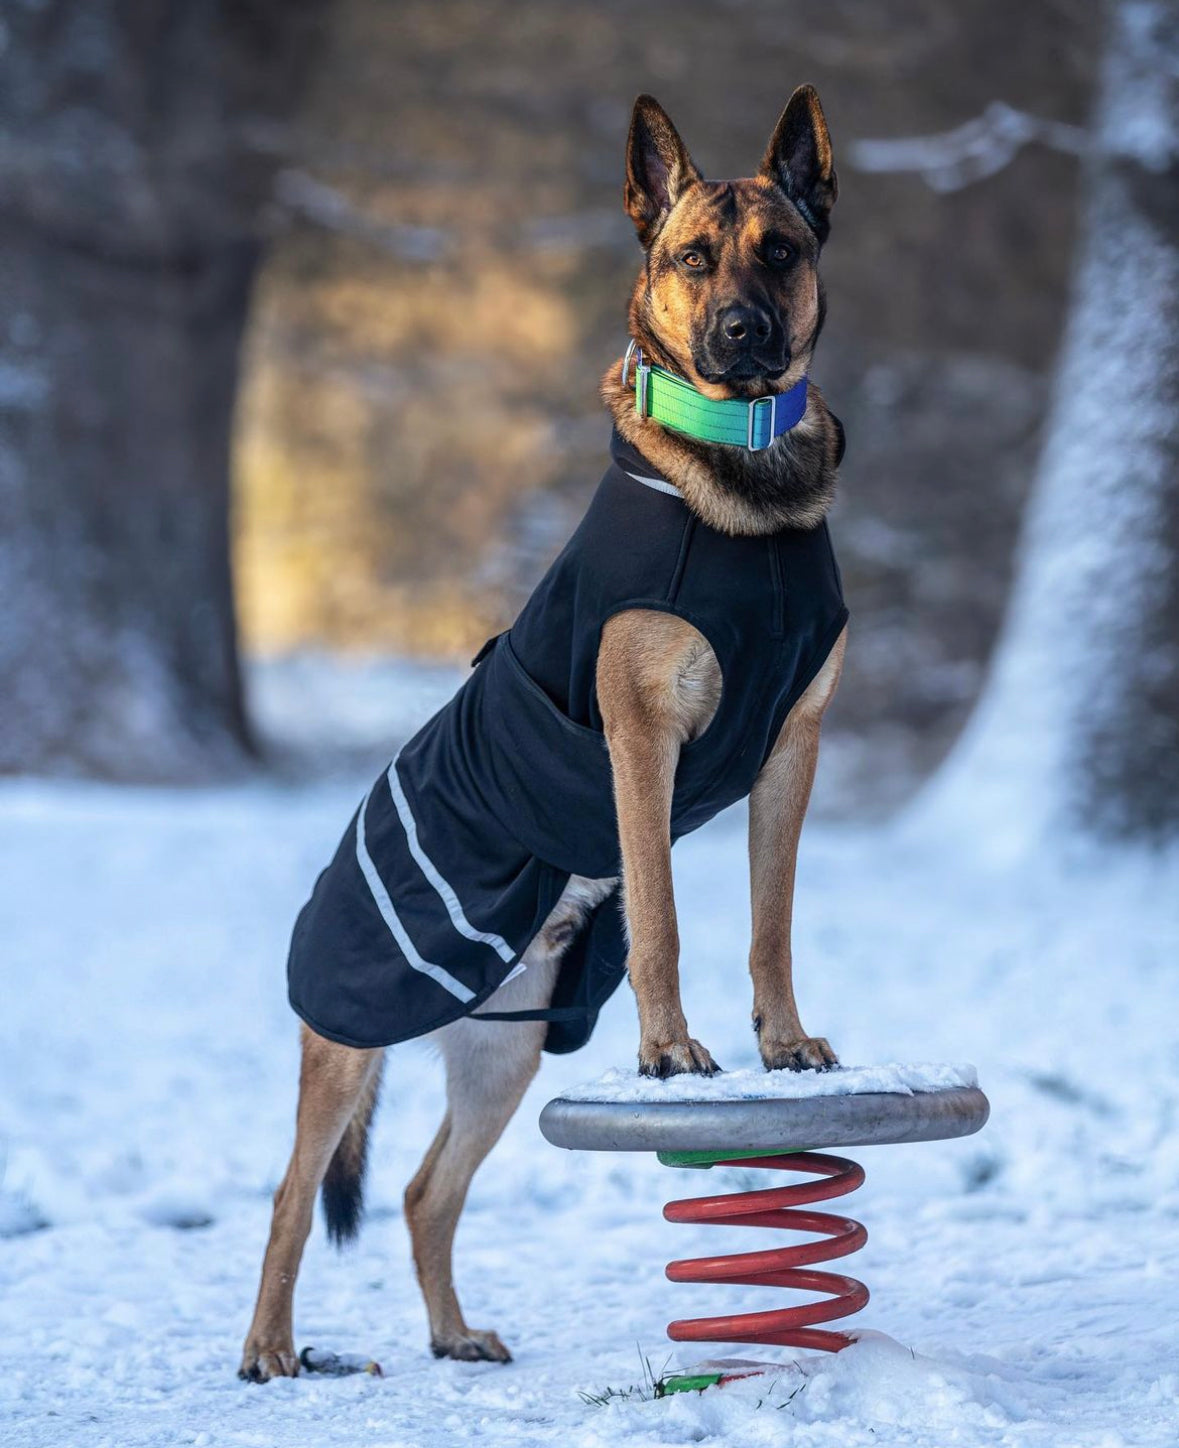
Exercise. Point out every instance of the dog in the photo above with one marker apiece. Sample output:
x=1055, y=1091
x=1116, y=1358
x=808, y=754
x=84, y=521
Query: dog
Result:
x=679, y=655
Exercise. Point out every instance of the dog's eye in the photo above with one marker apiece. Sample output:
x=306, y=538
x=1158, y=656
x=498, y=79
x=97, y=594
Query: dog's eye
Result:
x=780, y=253
x=693, y=260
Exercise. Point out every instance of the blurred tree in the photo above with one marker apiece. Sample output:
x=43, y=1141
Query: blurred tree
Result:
x=137, y=145
x=455, y=215
x=1079, y=722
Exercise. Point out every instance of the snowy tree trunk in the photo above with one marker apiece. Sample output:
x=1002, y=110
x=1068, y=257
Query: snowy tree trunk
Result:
x=130, y=187
x=1078, y=726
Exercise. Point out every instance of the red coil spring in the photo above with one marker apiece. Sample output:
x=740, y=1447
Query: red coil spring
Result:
x=781, y=1266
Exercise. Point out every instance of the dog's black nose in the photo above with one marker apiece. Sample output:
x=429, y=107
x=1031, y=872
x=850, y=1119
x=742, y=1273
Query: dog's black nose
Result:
x=745, y=324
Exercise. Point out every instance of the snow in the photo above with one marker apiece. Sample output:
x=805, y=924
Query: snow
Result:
x=895, y=1078
x=1023, y=1280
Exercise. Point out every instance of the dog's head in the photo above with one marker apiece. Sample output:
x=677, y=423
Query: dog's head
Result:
x=730, y=296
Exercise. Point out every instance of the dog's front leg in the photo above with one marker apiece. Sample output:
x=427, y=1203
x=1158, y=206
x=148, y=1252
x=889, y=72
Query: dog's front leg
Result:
x=777, y=807
x=644, y=735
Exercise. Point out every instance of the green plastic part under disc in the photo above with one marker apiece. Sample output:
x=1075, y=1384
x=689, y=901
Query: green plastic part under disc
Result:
x=705, y=1159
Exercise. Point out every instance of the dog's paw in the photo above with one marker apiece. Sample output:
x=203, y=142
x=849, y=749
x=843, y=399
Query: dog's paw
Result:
x=260, y=1364
x=675, y=1058
x=807, y=1053
x=471, y=1346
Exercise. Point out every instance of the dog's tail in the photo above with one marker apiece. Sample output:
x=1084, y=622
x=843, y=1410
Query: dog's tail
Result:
x=343, y=1182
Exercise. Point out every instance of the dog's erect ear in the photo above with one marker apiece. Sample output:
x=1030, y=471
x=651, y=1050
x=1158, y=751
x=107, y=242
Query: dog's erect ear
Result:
x=799, y=159
x=658, y=168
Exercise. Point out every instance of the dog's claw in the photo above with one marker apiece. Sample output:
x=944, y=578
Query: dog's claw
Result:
x=676, y=1058
x=808, y=1053
x=259, y=1365
x=471, y=1346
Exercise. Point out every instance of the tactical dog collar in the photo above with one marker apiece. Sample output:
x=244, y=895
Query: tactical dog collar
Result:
x=675, y=403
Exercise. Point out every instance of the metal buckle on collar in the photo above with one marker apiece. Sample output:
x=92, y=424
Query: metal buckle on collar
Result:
x=642, y=374
x=772, y=399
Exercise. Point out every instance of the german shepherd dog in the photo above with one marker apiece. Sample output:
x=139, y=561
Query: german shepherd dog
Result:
x=729, y=298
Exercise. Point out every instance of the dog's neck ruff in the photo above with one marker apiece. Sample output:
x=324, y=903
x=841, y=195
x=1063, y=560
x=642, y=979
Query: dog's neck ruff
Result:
x=675, y=403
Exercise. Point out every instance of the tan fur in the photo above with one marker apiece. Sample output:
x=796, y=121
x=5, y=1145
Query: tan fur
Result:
x=647, y=712
x=332, y=1084
x=348, y=1161
x=488, y=1068
x=791, y=483
x=667, y=307
x=689, y=466
x=658, y=686
x=777, y=807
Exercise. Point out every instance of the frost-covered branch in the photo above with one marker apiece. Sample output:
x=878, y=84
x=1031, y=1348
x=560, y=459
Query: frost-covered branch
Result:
x=953, y=159
x=302, y=195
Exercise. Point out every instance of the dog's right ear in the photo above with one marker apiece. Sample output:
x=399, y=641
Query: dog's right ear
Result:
x=658, y=168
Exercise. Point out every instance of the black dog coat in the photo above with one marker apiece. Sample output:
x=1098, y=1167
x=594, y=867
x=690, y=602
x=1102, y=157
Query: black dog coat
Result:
x=459, y=852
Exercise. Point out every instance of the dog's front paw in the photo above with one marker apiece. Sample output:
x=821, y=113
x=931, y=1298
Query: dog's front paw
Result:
x=261, y=1363
x=675, y=1058
x=471, y=1346
x=807, y=1053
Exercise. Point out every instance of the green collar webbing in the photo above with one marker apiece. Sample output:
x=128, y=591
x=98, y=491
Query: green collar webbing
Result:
x=675, y=403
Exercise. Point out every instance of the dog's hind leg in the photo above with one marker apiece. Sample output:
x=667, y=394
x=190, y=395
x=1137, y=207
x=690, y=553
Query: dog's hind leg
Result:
x=337, y=1086
x=488, y=1068
x=489, y=1065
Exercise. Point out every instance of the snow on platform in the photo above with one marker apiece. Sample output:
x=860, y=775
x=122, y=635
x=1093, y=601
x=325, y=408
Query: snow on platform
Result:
x=755, y=1084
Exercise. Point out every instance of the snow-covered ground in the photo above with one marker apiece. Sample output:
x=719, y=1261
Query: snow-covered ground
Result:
x=1025, y=1281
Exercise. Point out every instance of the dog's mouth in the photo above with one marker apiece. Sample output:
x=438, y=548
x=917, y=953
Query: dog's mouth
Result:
x=745, y=369
x=745, y=376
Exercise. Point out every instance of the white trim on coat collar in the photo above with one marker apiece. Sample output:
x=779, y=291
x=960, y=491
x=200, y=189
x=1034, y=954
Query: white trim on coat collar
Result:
x=659, y=484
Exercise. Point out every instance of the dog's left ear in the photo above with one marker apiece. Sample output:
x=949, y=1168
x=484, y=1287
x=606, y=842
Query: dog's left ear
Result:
x=799, y=159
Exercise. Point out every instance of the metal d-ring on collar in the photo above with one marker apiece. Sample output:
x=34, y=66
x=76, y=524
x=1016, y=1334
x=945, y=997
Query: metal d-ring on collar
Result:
x=642, y=374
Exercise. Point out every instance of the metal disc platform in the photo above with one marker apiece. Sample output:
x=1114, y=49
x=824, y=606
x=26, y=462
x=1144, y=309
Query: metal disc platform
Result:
x=769, y=1124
